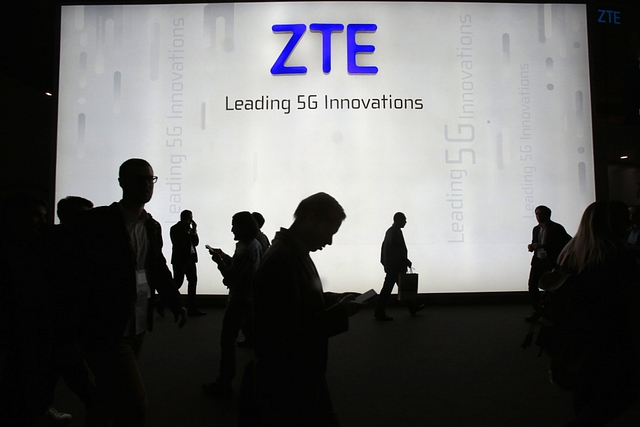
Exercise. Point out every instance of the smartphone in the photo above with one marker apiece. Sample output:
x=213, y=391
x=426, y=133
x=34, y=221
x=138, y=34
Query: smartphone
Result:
x=209, y=248
x=366, y=296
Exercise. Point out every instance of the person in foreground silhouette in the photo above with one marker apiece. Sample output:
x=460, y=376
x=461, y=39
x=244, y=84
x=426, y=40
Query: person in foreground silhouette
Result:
x=393, y=257
x=69, y=363
x=120, y=267
x=548, y=239
x=29, y=322
x=294, y=320
x=602, y=314
x=238, y=274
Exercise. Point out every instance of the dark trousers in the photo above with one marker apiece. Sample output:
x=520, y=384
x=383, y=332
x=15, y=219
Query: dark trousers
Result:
x=286, y=398
x=25, y=389
x=235, y=315
x=69, y=365
x=189, y=270
x=120, y=396
x=387, y=286
x=247, y=328
x=538, y=268
x=32, y=360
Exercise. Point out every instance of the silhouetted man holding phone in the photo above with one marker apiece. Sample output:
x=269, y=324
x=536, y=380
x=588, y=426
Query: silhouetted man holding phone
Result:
x=294, y=319
x=184, y=237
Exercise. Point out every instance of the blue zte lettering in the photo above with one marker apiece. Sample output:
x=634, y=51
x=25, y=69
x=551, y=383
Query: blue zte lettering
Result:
x=353, y=48
x=609, y=16
x=298, y=31
x=327, y=30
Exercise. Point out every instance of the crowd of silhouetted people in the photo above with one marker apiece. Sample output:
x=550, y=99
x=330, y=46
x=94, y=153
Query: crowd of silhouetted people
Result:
x=77, y=299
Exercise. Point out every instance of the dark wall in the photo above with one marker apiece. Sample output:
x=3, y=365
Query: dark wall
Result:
x=27, y=137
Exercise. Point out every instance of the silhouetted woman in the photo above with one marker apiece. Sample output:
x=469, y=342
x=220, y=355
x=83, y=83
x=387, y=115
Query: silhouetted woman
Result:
x=600, y=300
x=238, y=274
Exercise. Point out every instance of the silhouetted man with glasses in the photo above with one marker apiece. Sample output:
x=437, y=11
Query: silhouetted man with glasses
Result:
x=120, y=267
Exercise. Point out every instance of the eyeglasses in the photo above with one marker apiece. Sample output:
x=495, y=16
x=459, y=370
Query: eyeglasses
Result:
x=150, y=179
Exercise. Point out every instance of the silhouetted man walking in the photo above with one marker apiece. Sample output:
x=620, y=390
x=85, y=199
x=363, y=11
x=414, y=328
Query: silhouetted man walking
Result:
x=393, y=257
x=120, y=266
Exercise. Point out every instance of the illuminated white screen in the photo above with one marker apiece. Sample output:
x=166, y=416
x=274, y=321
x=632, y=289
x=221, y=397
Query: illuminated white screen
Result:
x=477, y=114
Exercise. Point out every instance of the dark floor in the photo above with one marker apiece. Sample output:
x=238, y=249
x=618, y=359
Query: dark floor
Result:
x=448, y=366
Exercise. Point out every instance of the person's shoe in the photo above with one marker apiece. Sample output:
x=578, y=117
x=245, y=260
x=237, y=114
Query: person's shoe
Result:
x=216, y=390
x=196, y=312
x=245, y=344
x=53, y=418
x=413, y=310
x=383, y=317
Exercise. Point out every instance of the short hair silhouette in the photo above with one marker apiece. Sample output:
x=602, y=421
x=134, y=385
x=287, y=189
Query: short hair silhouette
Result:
x=245, y=226
x=185, y=214
x=399, y=216
x=128, y=165
x=544, y=209
x=259, y=218
x=69, y=207
x=322, y=205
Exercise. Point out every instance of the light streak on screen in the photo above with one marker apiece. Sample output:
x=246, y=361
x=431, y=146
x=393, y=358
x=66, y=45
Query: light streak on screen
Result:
x=463, y=116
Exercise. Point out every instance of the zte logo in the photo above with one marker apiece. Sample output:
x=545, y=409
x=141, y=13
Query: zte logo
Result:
x=326, y=30
x=608, y=16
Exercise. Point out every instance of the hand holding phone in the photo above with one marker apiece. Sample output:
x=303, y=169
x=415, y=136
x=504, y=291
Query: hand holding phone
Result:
x=366, y=296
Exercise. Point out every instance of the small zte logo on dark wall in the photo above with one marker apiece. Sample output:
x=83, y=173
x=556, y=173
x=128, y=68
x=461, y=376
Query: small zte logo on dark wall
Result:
x=608, y=16
x=353, y=49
